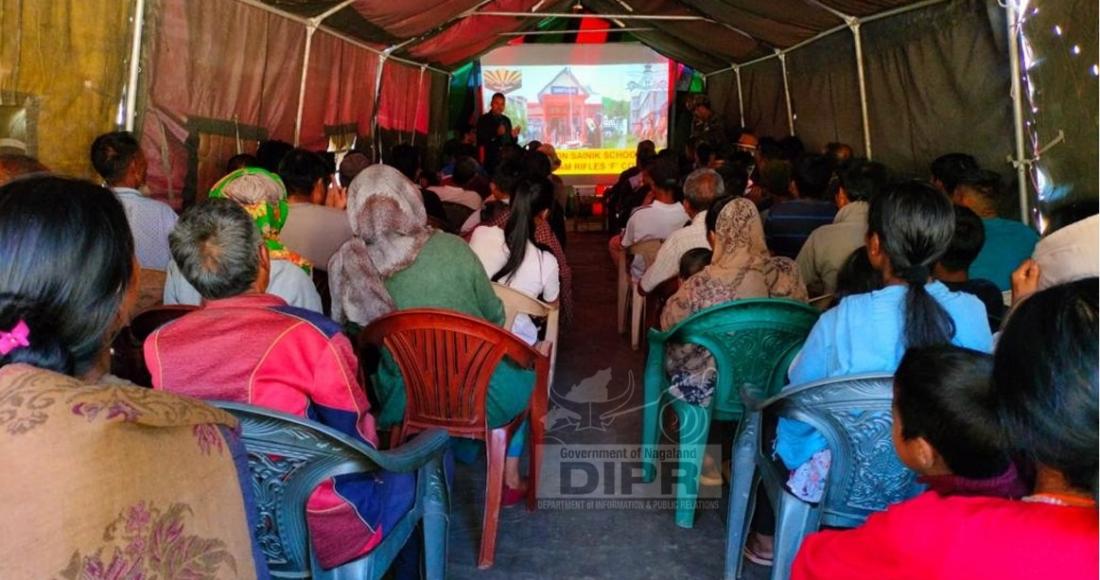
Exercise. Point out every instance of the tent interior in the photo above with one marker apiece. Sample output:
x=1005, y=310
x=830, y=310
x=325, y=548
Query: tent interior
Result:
x=895, y=79
x=1012, y=82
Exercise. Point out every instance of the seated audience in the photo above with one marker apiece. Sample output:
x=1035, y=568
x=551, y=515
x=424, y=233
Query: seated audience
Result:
x=739, y=268
x=14, y=165
x=118, y=159
x=544, y=237
x=511, y=255
x=856, y=276
x=790, y=223
x=270, y=154
x=952, y=267
x=630, y=190
x=313, y=228
x=693, y=261
x=541, y=164
x=395, y=262
x=701, y=188
x=104, y=480
x=250, y=347
x=466, y=169
x=909, y=228
x=656, y=220
x=947, y=169
x=263, y=196
x=406, y=159
x=1007, y=242
x=839, y=154
x=350, y=166
x=735, y=177
x=825, y=251
x=240, y=161
x=1069, y=251
x=1042, y=403
x=507, y=176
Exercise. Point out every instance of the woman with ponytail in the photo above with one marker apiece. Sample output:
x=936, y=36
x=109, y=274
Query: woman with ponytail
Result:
x=909, y=228
x=104, y=457
x=512, y=256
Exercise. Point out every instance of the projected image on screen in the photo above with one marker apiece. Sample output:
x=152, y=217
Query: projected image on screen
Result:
x=594, y=103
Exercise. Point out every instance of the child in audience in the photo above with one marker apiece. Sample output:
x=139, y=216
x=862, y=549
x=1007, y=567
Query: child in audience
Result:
x=953, y=266
x=693, y=261
x=949, y=423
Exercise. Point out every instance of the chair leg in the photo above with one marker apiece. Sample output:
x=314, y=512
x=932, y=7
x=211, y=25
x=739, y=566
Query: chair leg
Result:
x=537, y=422
x=794, y=519
x=694, y=424
x=623, y=295
x=651, y=413
x=495, y=449
x=637, y=317
x=437, y=510
x=741, y=493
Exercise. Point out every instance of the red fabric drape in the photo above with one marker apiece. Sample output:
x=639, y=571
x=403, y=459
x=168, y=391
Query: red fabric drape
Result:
x=339, y=89
x=216, y=60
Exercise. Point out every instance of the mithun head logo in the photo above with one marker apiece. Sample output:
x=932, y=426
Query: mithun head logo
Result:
x=589, y=404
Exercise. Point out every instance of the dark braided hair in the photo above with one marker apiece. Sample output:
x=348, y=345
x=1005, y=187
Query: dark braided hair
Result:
x=66, y=261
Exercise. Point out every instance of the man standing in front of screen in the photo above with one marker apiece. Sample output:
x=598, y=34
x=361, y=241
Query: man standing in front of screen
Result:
x=494, y=131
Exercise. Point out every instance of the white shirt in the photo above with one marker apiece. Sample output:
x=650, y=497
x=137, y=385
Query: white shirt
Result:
x=667, y=263
x=655, y=221
x=454, y=194
x=536, y=276
x=288, y=282
x=150, y=222
x=828, y=247
x=316, y=232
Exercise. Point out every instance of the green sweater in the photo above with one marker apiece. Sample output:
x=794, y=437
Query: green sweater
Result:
x=447, y=274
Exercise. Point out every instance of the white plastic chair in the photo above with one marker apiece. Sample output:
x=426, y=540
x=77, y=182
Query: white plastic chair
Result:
x=515, y=303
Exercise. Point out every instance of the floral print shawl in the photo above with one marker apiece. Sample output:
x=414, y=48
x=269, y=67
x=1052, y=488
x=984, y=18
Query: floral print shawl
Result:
x=119, y=482
x=740, y=268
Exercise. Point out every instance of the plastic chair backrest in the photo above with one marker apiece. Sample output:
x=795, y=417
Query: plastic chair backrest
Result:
x=446, y=359
x=289, y=457
x=753, y=342
x=646, y=249
x=127, y=354
x=516, y=302
x=853, y=414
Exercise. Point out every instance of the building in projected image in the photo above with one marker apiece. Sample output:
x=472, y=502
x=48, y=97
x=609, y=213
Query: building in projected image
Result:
x=649, y=107
x=567, y=113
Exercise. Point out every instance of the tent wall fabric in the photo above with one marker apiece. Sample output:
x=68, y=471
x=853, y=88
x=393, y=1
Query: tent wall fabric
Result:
x=340, y=89
x=220, y=61
x=62, y=76
x=825, y=93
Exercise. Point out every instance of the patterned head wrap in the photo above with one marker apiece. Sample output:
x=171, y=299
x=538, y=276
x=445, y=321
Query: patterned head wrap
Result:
x=263, y=195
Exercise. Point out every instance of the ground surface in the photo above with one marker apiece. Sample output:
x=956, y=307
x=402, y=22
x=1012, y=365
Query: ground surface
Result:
x=596, y=543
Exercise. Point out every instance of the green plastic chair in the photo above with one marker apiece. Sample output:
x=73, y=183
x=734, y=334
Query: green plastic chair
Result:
x=753, y=342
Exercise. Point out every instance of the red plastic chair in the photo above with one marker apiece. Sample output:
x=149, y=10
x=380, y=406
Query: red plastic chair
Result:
x=446, y=359
x=127, y=354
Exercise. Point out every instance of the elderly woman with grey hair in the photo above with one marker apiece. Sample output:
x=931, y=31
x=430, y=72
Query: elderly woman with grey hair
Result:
x=262, y=194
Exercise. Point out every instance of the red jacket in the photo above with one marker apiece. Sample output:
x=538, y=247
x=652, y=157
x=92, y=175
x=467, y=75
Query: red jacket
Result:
x=933, y=537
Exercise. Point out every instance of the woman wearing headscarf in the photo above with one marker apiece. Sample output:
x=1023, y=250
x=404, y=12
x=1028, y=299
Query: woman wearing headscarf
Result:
x=740, y=268
x=263, y=195
x=396, y=262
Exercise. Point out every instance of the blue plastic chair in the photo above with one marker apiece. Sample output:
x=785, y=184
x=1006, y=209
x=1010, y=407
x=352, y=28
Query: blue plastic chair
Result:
x=290, y=456
x=866, y=476
x=753, y=342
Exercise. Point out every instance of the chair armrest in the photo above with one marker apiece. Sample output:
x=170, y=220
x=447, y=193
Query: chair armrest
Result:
x=752, y=402
x=412, y=455
x=545, y=348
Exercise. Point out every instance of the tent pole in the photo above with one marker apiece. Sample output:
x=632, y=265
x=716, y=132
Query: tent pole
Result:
x=416, y=105
x=854, y=24
x=310, y=29
x=786, y=90
x=377, y=103
x=740, y=96
x=135, y=65
x=1021, y=162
